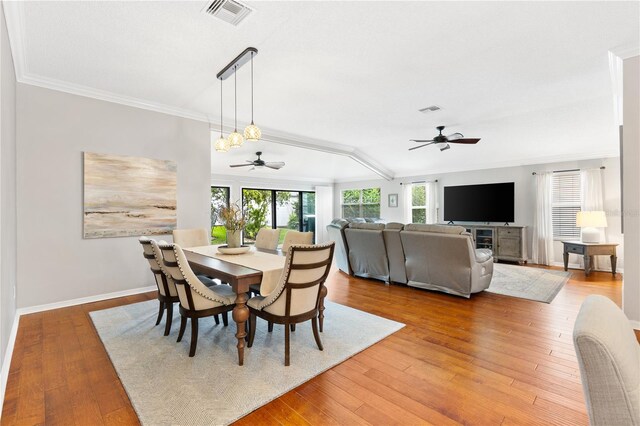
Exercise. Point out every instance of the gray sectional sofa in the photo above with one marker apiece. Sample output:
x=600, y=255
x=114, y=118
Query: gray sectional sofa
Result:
x=434, y=257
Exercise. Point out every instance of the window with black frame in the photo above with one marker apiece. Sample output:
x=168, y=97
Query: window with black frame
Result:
x=219, y=200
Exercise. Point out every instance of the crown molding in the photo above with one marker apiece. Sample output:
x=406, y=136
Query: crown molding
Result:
x=626, y=51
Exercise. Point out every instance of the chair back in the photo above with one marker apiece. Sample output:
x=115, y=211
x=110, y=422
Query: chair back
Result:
x=296, y=237
x=609, y=359
x=196, y=237
x=192, y=293
x=268, y=239
x=166, y=286
x=298, y=292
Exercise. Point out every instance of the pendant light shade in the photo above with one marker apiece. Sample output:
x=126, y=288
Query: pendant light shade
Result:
x=235, y=139
x=221, y=144
x=252, y=132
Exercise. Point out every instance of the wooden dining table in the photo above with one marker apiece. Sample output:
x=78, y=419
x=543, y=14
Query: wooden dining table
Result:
x=239, y=278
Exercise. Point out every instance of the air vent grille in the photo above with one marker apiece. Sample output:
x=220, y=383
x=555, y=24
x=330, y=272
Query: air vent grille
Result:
x=431, y=108
x=230, y=11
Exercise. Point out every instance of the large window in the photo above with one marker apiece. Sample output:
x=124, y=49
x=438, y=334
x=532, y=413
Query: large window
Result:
x=361, y=203
x=565, y=205
x=284, y=210
x=419, y=203
x=219, y=200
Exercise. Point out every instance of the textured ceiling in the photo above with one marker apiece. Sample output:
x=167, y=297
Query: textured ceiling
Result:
x=530, y=78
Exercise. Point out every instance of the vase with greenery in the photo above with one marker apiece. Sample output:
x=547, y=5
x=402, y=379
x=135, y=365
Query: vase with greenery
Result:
x=234, y=222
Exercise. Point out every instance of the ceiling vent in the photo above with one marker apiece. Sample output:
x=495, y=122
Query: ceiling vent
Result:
x=230, y=11
x=431, y=108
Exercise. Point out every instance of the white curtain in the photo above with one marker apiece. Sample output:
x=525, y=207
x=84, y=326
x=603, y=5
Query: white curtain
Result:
x=324, y=212
x=592, y=199
x=406, y=200
x=542, y=222
x=432, y=202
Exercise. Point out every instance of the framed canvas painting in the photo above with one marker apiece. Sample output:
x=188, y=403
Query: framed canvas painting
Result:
x=393, y=200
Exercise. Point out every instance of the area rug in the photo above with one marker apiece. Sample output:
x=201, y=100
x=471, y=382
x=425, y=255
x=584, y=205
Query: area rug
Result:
x=541, y=285
x=166, y=387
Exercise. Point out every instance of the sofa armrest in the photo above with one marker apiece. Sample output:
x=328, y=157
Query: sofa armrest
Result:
x=482, y=255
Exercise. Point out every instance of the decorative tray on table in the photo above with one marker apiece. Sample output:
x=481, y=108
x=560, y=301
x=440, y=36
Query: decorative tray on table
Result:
x=236, y=250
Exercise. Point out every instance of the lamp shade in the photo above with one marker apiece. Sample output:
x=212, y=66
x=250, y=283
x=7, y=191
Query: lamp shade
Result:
x=591, y=219
x=235, y=139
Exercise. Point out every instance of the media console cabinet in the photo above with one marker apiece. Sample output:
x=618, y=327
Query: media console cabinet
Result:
x=508, y=242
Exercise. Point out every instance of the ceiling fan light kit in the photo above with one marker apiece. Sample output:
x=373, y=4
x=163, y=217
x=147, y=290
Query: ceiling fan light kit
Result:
x=442, y=141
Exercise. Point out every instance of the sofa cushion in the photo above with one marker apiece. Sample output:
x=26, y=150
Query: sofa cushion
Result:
x=394, y=225
x=370, y=226
x=356, y=220
x=439, y=229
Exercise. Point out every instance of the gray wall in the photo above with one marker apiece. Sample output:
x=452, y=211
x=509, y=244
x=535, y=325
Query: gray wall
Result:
x=7, y=188
x=54, y=262
x=631, y=180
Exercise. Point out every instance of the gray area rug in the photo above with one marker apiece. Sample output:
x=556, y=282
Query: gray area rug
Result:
x=541, y=285
x=166, y=387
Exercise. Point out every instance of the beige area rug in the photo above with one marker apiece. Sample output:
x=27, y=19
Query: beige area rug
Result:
x=541, y=285
x=166, y=387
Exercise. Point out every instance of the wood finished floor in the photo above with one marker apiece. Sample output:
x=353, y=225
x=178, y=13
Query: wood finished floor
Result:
x=488, y=360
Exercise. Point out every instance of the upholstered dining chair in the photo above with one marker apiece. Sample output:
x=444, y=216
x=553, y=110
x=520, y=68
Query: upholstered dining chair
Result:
x=296, y=298
x=609, y=359
x=296, y=237
x=196, y=300
x=268, y=239
x=187, y=238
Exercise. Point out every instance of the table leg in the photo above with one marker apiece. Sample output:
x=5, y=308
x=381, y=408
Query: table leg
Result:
x=587, y=265
x=614, y=260
x=565, y=257
x=240, y=315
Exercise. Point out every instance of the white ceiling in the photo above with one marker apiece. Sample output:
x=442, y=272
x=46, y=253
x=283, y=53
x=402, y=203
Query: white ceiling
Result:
x=530, y=78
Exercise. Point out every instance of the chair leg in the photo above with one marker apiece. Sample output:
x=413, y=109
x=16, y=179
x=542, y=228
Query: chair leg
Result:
x=270, y=327
x=183, y=327
x=323, y=294
x=194, y=336
x=217, y=319
x=225, y=319
x=252, y=329
x=293, y=327
x=167, y=327
x=286, y=345
x=160, y=312
x=314, y=324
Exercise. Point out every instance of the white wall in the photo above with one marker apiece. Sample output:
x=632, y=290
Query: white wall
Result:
x=631, y=181
x=524, y=192
x=54, y=262
x=7, y=190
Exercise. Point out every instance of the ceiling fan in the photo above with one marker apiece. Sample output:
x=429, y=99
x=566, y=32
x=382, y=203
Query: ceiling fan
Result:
x=443, y=141
x=259, y=163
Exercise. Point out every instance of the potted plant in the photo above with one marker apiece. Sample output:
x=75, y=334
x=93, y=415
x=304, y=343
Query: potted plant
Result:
x=234, y=222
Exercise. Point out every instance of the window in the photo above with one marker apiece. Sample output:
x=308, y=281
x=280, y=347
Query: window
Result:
x=219, y=199
x=361, y=203
x=284, y=210
x=565, y=205
x=419, y=203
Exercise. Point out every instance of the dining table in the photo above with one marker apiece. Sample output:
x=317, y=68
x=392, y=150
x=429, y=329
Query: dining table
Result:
x=203, y=261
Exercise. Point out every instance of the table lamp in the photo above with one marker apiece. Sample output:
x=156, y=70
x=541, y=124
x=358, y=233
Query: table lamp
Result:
x=590, y=221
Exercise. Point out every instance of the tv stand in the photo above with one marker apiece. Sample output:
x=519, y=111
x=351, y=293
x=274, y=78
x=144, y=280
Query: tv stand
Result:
x=508, y=242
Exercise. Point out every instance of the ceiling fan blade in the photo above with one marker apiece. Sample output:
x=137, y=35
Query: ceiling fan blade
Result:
x=466, y=141
x=454, y=137
x=421, y=140
x=420, y=146
x=240, y=165
x=275, y=165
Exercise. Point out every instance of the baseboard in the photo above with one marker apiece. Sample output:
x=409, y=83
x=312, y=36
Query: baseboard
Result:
x=6, y=364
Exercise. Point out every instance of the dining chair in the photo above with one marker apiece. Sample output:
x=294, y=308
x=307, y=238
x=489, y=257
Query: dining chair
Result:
x=268, y=239
x=296, y=298
x=196, y=300
x=196, y=237
x=296, y=237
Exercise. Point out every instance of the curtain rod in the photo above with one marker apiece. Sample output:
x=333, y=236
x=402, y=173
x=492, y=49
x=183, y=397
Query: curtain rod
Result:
x=568, y=170
x=419, y=181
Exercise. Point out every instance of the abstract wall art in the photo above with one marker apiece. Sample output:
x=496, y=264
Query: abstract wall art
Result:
x=128, y=196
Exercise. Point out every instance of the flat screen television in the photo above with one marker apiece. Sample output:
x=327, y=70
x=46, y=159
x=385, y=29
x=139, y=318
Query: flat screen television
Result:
x=494, y=202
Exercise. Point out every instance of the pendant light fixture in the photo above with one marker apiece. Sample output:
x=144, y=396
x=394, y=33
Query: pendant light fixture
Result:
x=222, y=144
x=252, y=132
x=235, y=139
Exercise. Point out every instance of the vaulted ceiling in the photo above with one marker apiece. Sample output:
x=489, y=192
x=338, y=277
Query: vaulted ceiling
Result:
x=530, y=78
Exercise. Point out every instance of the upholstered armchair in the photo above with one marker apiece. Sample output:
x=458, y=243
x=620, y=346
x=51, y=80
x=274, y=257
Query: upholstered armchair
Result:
x=196, y=237
x=196, y=299
x=267, y=239
x=296, y=237
x=609, y=360
x=297, y=296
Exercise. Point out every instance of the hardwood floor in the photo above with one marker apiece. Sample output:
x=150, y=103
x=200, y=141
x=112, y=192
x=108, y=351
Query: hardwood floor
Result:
x=488, y=360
